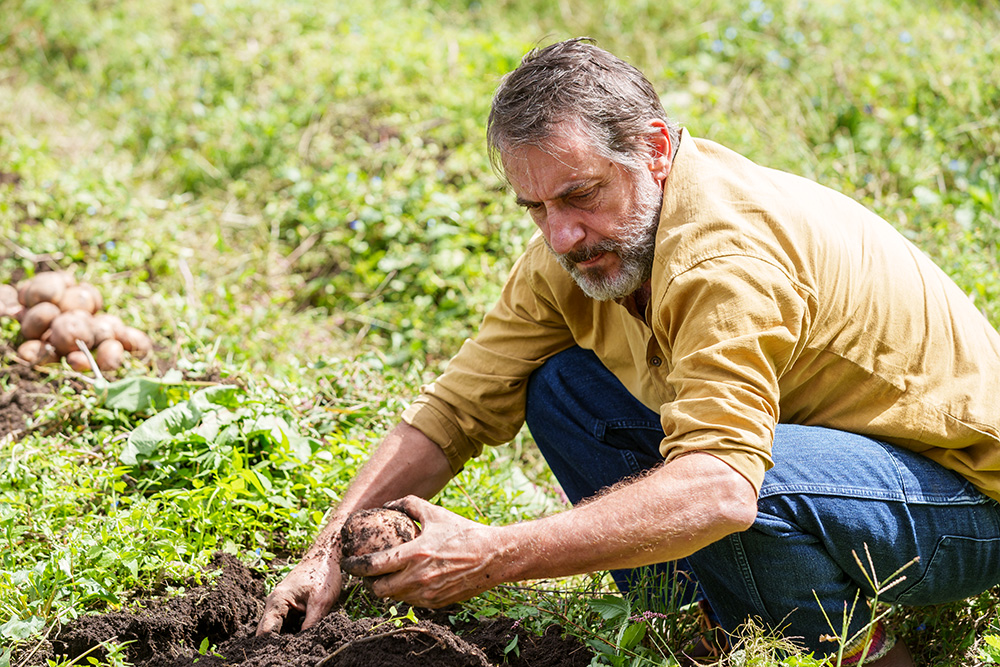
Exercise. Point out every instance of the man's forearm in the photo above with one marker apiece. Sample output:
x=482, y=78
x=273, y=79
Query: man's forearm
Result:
x=669, y=514
x=405, y=463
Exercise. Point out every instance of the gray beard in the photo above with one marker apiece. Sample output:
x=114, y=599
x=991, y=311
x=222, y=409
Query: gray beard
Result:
x=635, y=250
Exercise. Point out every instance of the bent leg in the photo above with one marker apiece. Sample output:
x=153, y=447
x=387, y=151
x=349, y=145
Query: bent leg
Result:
x=593, y=433
x=830, y=499
x=591, y=430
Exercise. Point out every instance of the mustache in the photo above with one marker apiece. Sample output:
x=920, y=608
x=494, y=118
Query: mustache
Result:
x=590, y=252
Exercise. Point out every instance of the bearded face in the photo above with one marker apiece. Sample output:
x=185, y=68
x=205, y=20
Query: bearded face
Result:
x=599, y=217
x=634, y=245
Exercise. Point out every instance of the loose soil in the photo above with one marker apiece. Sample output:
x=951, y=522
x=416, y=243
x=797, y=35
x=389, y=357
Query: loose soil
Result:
x=170, y=633
x=26, y=393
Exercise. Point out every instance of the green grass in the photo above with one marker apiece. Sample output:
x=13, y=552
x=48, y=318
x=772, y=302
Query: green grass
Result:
x=295, y=196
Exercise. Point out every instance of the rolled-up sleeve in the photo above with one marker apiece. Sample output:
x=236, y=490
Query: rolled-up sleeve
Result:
x=480, y=398
x=732, y=325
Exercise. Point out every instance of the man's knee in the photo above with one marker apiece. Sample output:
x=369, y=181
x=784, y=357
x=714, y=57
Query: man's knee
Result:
x=554, y=387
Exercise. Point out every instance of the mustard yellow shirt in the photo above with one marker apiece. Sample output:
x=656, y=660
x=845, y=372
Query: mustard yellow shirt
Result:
x=774, y=299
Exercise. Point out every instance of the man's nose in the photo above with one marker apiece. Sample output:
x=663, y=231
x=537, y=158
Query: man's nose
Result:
x=565, y=231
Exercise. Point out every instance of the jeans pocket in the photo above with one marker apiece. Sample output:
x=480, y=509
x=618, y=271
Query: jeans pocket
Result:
x=637, y=435
x=960, y=567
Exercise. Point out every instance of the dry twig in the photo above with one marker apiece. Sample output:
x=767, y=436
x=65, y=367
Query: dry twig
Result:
x=397, y=631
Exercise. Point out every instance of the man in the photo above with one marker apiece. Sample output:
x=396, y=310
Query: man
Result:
x=757, y=375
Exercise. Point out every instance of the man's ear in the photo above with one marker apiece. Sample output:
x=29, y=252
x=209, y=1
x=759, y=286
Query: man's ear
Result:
x=661, y=149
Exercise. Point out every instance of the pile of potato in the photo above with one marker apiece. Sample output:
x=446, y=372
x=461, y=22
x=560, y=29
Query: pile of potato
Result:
x=55, y=312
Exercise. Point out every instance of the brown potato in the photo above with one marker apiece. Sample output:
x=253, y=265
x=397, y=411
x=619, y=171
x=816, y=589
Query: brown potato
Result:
x=36, y=352
x=137, y=343
x=107, y=327
x=47, y=286
x=368, y=531
x=69, y=327
x=8, y=300
x=22, y=291
x=96, y=294
x=68, y=279
x=78, y=361
x=78, y=297
x=109, y=355
x=37, y=320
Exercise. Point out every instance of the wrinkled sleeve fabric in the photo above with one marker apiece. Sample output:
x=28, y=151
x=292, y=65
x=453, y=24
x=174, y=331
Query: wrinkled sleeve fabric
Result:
x=732, y=325
x=480, y=398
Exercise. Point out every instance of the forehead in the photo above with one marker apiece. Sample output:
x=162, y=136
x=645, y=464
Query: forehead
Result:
x=538, y=173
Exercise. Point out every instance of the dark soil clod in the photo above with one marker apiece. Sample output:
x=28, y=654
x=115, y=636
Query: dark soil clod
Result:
x=371, y=530
x=215, y=612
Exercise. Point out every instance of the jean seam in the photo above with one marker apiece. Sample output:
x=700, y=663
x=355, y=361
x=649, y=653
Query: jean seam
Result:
x=748, y=579
x=960, y=498
x=632, y=463
x=866, y=493
x=902, y=595
x=831, y=490
x=631, y=424
x=598, y=429
x=905, y=596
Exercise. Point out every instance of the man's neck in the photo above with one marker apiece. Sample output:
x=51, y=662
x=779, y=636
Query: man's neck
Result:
x=636, y=302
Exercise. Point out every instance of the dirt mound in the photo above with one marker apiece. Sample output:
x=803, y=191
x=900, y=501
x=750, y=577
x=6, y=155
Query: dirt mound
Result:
x=213, y=625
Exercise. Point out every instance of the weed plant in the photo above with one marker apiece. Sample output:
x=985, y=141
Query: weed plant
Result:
x=294, y=197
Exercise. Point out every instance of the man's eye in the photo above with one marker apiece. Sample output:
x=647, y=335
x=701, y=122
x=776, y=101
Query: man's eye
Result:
x=584, y=195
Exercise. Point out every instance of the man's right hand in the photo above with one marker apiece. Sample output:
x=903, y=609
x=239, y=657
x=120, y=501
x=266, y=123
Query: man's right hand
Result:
x=406, y=462
x=313, y=587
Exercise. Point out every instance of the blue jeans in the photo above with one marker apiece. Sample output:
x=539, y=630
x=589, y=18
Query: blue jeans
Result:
x=829, y=495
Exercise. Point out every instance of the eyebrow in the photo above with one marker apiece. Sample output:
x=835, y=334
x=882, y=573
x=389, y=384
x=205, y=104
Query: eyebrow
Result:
x=565, y=192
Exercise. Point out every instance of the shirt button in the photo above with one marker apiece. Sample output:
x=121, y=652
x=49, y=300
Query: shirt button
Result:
x=655, y=361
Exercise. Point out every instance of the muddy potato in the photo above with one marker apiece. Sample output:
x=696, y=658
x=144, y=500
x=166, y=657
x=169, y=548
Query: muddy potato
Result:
x=38, y=319
x=48, y=286
x=368, y=531
x=78, y=361
x=109, y=355
x=78, y=297
x=35, y=352
x=69, y=327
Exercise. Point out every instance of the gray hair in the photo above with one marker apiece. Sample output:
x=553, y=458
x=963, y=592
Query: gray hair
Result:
x=575, y=80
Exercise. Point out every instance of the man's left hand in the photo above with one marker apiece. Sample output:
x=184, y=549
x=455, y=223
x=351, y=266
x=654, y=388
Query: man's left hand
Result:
x=452, y=559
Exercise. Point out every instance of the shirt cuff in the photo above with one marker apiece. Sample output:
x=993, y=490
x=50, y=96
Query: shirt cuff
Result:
x=751, y=465
x=424, y=417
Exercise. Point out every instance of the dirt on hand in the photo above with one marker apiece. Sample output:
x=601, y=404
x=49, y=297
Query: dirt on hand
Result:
x=214, y=625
